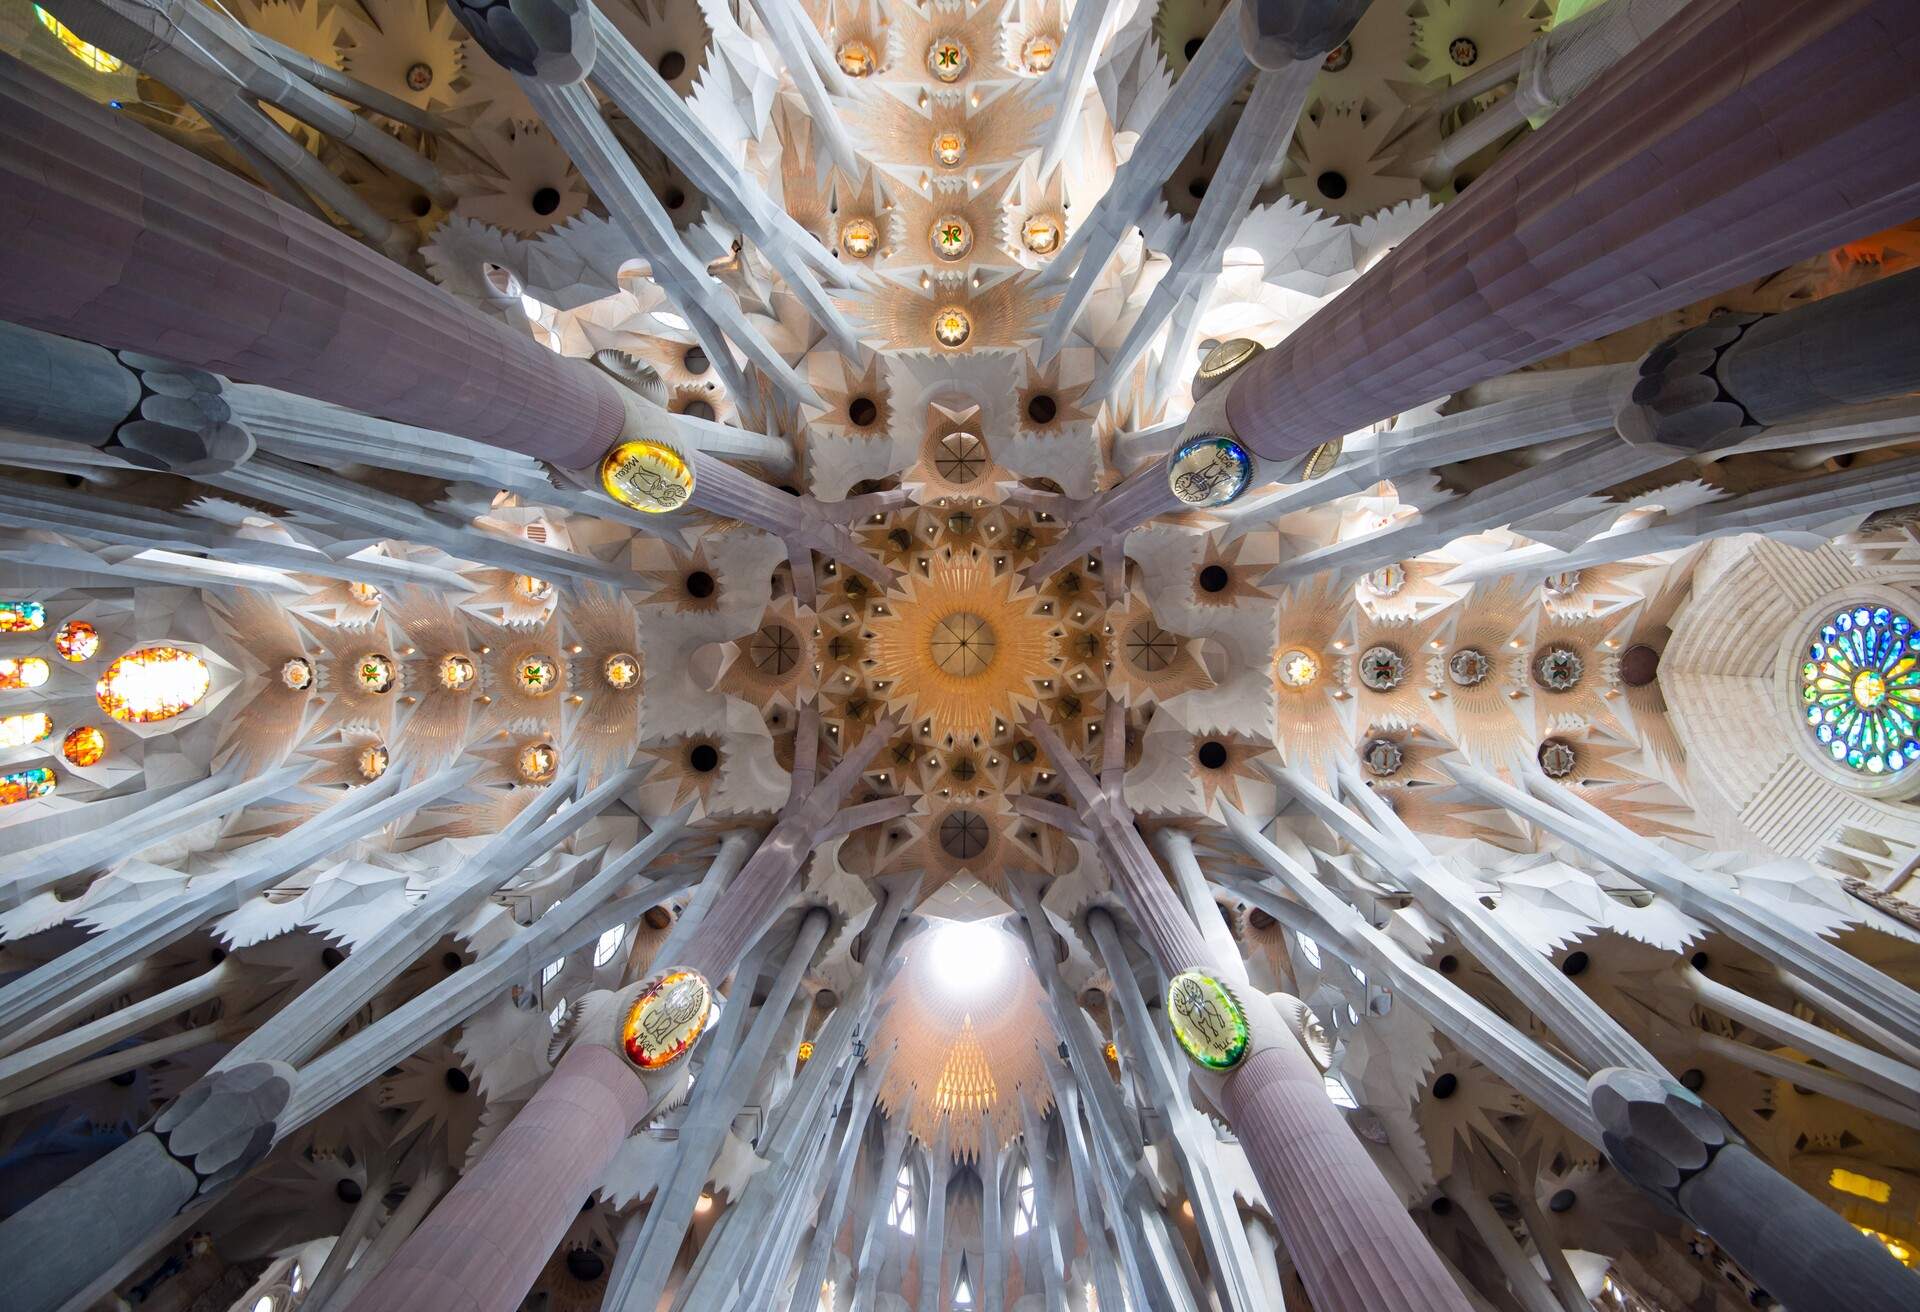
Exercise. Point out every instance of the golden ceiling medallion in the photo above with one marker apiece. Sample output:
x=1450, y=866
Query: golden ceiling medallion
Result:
x=952, y=237
x=961, y=648
x=648, y=476
x=1041, y=234
x=1229, y=355
x=858, y=237
x=947, y=58
x=667, y=1019
x=1321, y=460
x=949, y=148
x=962, y=645
x=952, y=327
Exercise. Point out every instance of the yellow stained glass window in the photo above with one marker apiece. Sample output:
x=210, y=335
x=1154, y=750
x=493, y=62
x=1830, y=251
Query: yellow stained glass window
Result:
x=1860, y=1186
x=91, y=55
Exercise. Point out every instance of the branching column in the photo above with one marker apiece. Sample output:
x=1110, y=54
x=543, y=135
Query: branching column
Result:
x=121, y=238
x=1691, y=167
x=521, y=1196
x=1353, y=1243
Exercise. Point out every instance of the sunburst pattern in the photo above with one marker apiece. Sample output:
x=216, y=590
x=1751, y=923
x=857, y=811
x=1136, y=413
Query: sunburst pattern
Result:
x=971, y=695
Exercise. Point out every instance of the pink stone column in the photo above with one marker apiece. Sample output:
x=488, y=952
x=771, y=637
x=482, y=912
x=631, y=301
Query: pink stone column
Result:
x=117, y=236
x=1744, y=136
x=483, y=1247
x=1349, y=1236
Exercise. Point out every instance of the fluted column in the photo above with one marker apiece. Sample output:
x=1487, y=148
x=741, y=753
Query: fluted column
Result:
x=806, y=1288
x=119, y=237
x=1692, y=167
x=1353, y=1243
x=483, y=1246
x=933, y=1234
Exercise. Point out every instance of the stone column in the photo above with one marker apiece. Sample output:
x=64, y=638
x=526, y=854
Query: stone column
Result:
x=640, y=1279
x=57, y=387
x=1353, y=1243
x=1725, y=380
x=869, y=1256
x=993, y=1230
x=933, y=1231
x=806, y=1288
x=763, y=885
x=1687, y=169
x=1807, y=1256
x=1266, y=1259
x=483, y=1247
x=121, y=238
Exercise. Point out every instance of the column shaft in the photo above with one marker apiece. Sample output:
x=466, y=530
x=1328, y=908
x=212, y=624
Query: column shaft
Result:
x=1802, y=1253
x=1689, y=168
x=483, y=1247
x=121, y=238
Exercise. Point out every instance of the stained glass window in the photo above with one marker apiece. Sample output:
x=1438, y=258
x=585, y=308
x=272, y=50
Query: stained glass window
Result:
x=77, y=641
x=25, y=785
x=29, y=727
x=91, y=55
x=1860, y=683
x=23, y=672
x=84, y=746
x=22, y=617
x=152, y=683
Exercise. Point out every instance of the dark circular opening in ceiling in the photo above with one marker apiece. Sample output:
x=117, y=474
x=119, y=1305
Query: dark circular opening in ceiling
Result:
x=331, y=957
x=1197, y=188
x=672, y=65
x=1639, y=665
x=862, y=410
x=1041, y=409
x=1693, y=1079
x=1449, y=964
x=457, y=1080
x=695, y=360
x=700, y=584
x=1576, y=963
x=704, y=758
x=1700, y=960
x=347, y=1191
x=1562, y=1201
x=699, y=410
x=1192, y=47
x=673, y=198
x=1214, y=578
x=1332, y=184
x=1212, y=755
x=546, y=200
x=422, y=207
x=963, y=835
x=584, y=1264
x=1446, y=1085
x=451, y=961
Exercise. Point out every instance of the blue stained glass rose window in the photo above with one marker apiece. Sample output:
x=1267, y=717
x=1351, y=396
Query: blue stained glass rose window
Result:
x=1860, y=686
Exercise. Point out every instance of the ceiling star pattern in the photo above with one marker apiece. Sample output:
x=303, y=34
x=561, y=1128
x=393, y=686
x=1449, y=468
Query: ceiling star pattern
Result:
x=1456, y=804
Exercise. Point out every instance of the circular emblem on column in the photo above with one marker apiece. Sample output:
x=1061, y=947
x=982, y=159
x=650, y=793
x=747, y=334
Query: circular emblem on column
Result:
x=667, y=1019
x=1207, y=1020
x=646, y=475
x=1321, y=460
x=1209, y=470
x=1228, y=356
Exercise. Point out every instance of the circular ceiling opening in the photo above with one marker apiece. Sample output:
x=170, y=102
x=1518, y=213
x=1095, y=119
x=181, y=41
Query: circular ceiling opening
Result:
x=963, y=835
x=962, y=645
